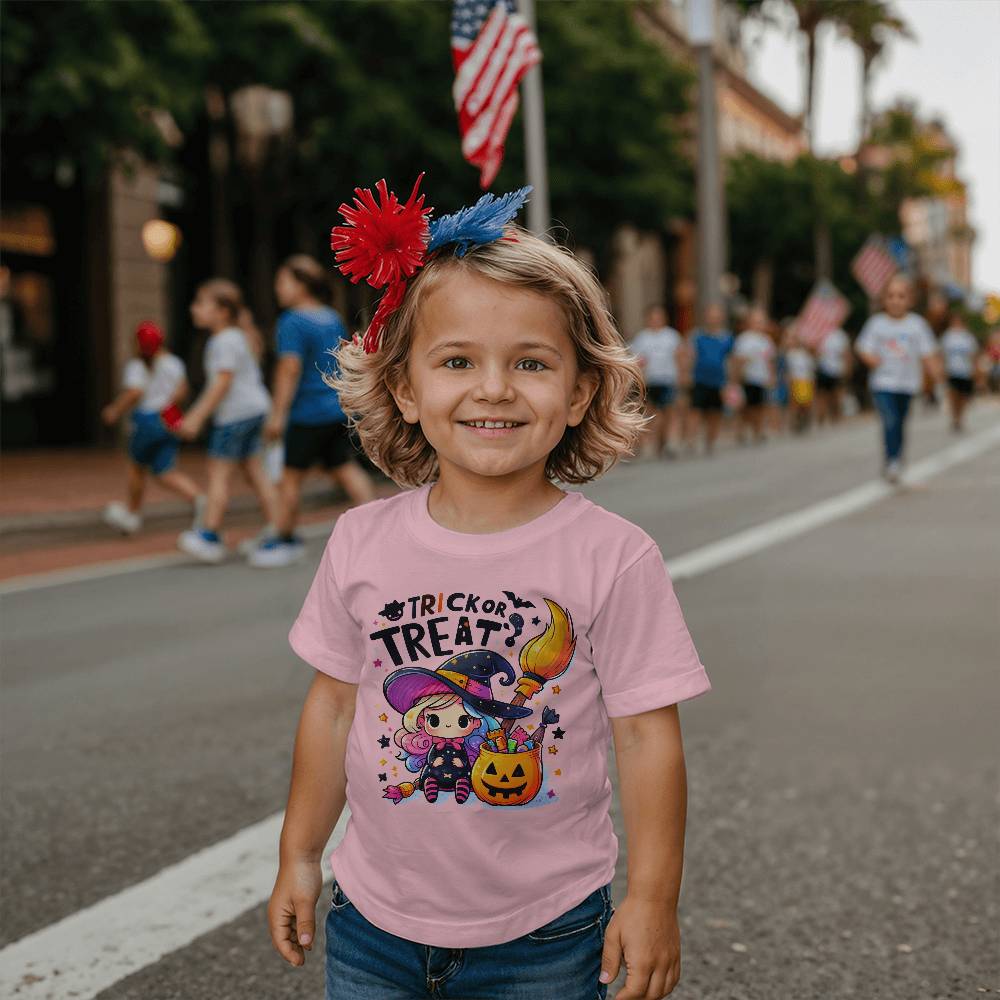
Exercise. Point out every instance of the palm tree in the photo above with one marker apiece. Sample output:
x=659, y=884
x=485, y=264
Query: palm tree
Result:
x=870, y=24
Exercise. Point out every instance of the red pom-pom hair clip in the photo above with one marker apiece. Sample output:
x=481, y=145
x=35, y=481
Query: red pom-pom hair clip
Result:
x=383, y=243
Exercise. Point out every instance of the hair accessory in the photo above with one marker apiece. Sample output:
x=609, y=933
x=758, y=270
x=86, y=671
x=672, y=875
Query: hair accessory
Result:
x=149, y=338
x=386, y=243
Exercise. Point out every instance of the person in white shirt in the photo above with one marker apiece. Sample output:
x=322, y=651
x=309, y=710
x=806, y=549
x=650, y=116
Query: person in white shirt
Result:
x=801, y=365
x=833, y=365
x=238, y=402
x=897, y=347
x=153, y=384
x=658, y=349
x=961, y=360
x=753, y=366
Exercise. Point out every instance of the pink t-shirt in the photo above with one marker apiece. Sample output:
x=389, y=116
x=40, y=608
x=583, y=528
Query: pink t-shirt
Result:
x=487, y=667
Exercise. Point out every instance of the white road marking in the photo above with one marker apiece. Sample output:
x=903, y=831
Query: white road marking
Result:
x=91, y=950
x=788, y=526
x=85, y=953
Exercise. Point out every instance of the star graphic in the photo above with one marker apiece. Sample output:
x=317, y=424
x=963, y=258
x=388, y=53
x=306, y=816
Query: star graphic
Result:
x=383, y=762
x=557, y=771
x=383, y=777
x=556, y=689
x=383, y=717
x=377, y=663
x=558, y=733
x=553, y=750
x=552, y=793
x=383, y=741
x=536, y=620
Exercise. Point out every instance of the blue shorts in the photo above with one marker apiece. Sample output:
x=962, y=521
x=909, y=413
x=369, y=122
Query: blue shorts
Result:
x=150, y=444
x=660, y=395
x=236, y=441
x=558, y=961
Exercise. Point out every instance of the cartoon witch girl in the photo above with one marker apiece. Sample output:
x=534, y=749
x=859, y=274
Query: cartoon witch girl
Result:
x=447, y=714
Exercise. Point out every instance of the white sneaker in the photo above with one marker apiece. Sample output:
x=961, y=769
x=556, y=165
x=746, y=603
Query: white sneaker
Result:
x=275, y=553
x=118, y=516
x=892, y=472
x=250, y=545
x=194, y=543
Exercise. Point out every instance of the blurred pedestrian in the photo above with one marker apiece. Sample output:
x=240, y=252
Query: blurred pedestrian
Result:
x=992, y=361
x=833, y=367
x=237, y=402
x=898, y=348
x=154, y=384
x=754, y=368
x=711, y=345
x=657, y=347
x=960, y=351
x=801, y=364
x=305, y=411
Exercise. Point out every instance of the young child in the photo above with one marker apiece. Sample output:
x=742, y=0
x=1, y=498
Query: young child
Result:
x=898, y=348
x=306, y=413
x=237, y=400
x=753, y=361
x=491, y=375
x=801, y=364
x=153, y=384
x=657, y=349
x=833, y=366
x=711, y=347
x=961, y=357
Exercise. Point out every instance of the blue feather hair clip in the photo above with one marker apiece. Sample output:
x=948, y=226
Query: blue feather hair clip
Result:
x=476, y=224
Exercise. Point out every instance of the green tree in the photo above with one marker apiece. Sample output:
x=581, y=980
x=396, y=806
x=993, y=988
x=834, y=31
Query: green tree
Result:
x=83, y=81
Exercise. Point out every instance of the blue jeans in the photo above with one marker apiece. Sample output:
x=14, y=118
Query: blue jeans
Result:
x=150, y=444
x=237, y=441
x=559, y=961
x=892, y=408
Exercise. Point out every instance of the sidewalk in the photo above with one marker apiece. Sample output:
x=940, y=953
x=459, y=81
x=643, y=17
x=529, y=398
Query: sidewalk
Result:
x=52, y=501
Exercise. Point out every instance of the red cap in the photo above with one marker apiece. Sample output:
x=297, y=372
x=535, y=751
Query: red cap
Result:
x=150, y=338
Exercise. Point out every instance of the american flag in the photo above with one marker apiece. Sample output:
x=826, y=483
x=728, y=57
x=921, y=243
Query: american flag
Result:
x=874, y=265
x=492, y=48
x=825, y=310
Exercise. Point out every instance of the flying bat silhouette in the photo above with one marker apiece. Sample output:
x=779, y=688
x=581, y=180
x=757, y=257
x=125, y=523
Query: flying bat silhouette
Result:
x=516, y=601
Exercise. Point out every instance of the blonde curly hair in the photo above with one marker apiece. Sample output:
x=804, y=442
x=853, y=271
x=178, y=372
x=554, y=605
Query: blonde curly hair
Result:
x=612, y=424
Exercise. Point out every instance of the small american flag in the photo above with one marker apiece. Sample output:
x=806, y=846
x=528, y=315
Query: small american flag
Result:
x=492, y=48
x=874, y=265
x=825, y=310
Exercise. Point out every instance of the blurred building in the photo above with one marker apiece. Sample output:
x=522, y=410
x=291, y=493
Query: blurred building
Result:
x=647, y=271
x=938, y=229
x=79, y=271
x=935, y=227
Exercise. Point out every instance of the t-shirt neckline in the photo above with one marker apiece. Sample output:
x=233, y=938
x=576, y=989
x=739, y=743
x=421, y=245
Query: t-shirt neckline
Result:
x=426, y=530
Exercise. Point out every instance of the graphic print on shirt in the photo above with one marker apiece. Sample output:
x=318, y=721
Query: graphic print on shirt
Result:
x=457, y=733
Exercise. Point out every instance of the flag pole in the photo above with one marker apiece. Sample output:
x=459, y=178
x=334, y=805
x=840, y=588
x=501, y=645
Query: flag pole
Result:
x=538, y=216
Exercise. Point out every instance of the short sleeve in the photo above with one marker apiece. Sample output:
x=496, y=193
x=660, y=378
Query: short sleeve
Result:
x=226, y=352
x=866, y=339
x=290, y=336
x=928, y=345
x=135, y=375
x=325, y=634
x=643, y=653
x=742, y=347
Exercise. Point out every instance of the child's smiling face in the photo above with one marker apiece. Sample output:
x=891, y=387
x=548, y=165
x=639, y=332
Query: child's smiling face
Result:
x=484, y=351
x=450, y=722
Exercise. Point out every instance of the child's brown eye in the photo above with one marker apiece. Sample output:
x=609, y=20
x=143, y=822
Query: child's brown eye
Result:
x=463, y=721
x=433, y=720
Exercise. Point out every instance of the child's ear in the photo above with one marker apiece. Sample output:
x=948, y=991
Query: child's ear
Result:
x=587, y=383
x=406, y=403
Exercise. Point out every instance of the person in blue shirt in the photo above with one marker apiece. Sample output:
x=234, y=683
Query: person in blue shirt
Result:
x=305, y=410
x=710, y=347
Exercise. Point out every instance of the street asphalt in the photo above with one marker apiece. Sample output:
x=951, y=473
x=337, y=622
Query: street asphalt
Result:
x=844, y=778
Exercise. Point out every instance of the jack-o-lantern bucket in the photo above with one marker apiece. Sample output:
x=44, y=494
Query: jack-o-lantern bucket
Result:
x=507, y=779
